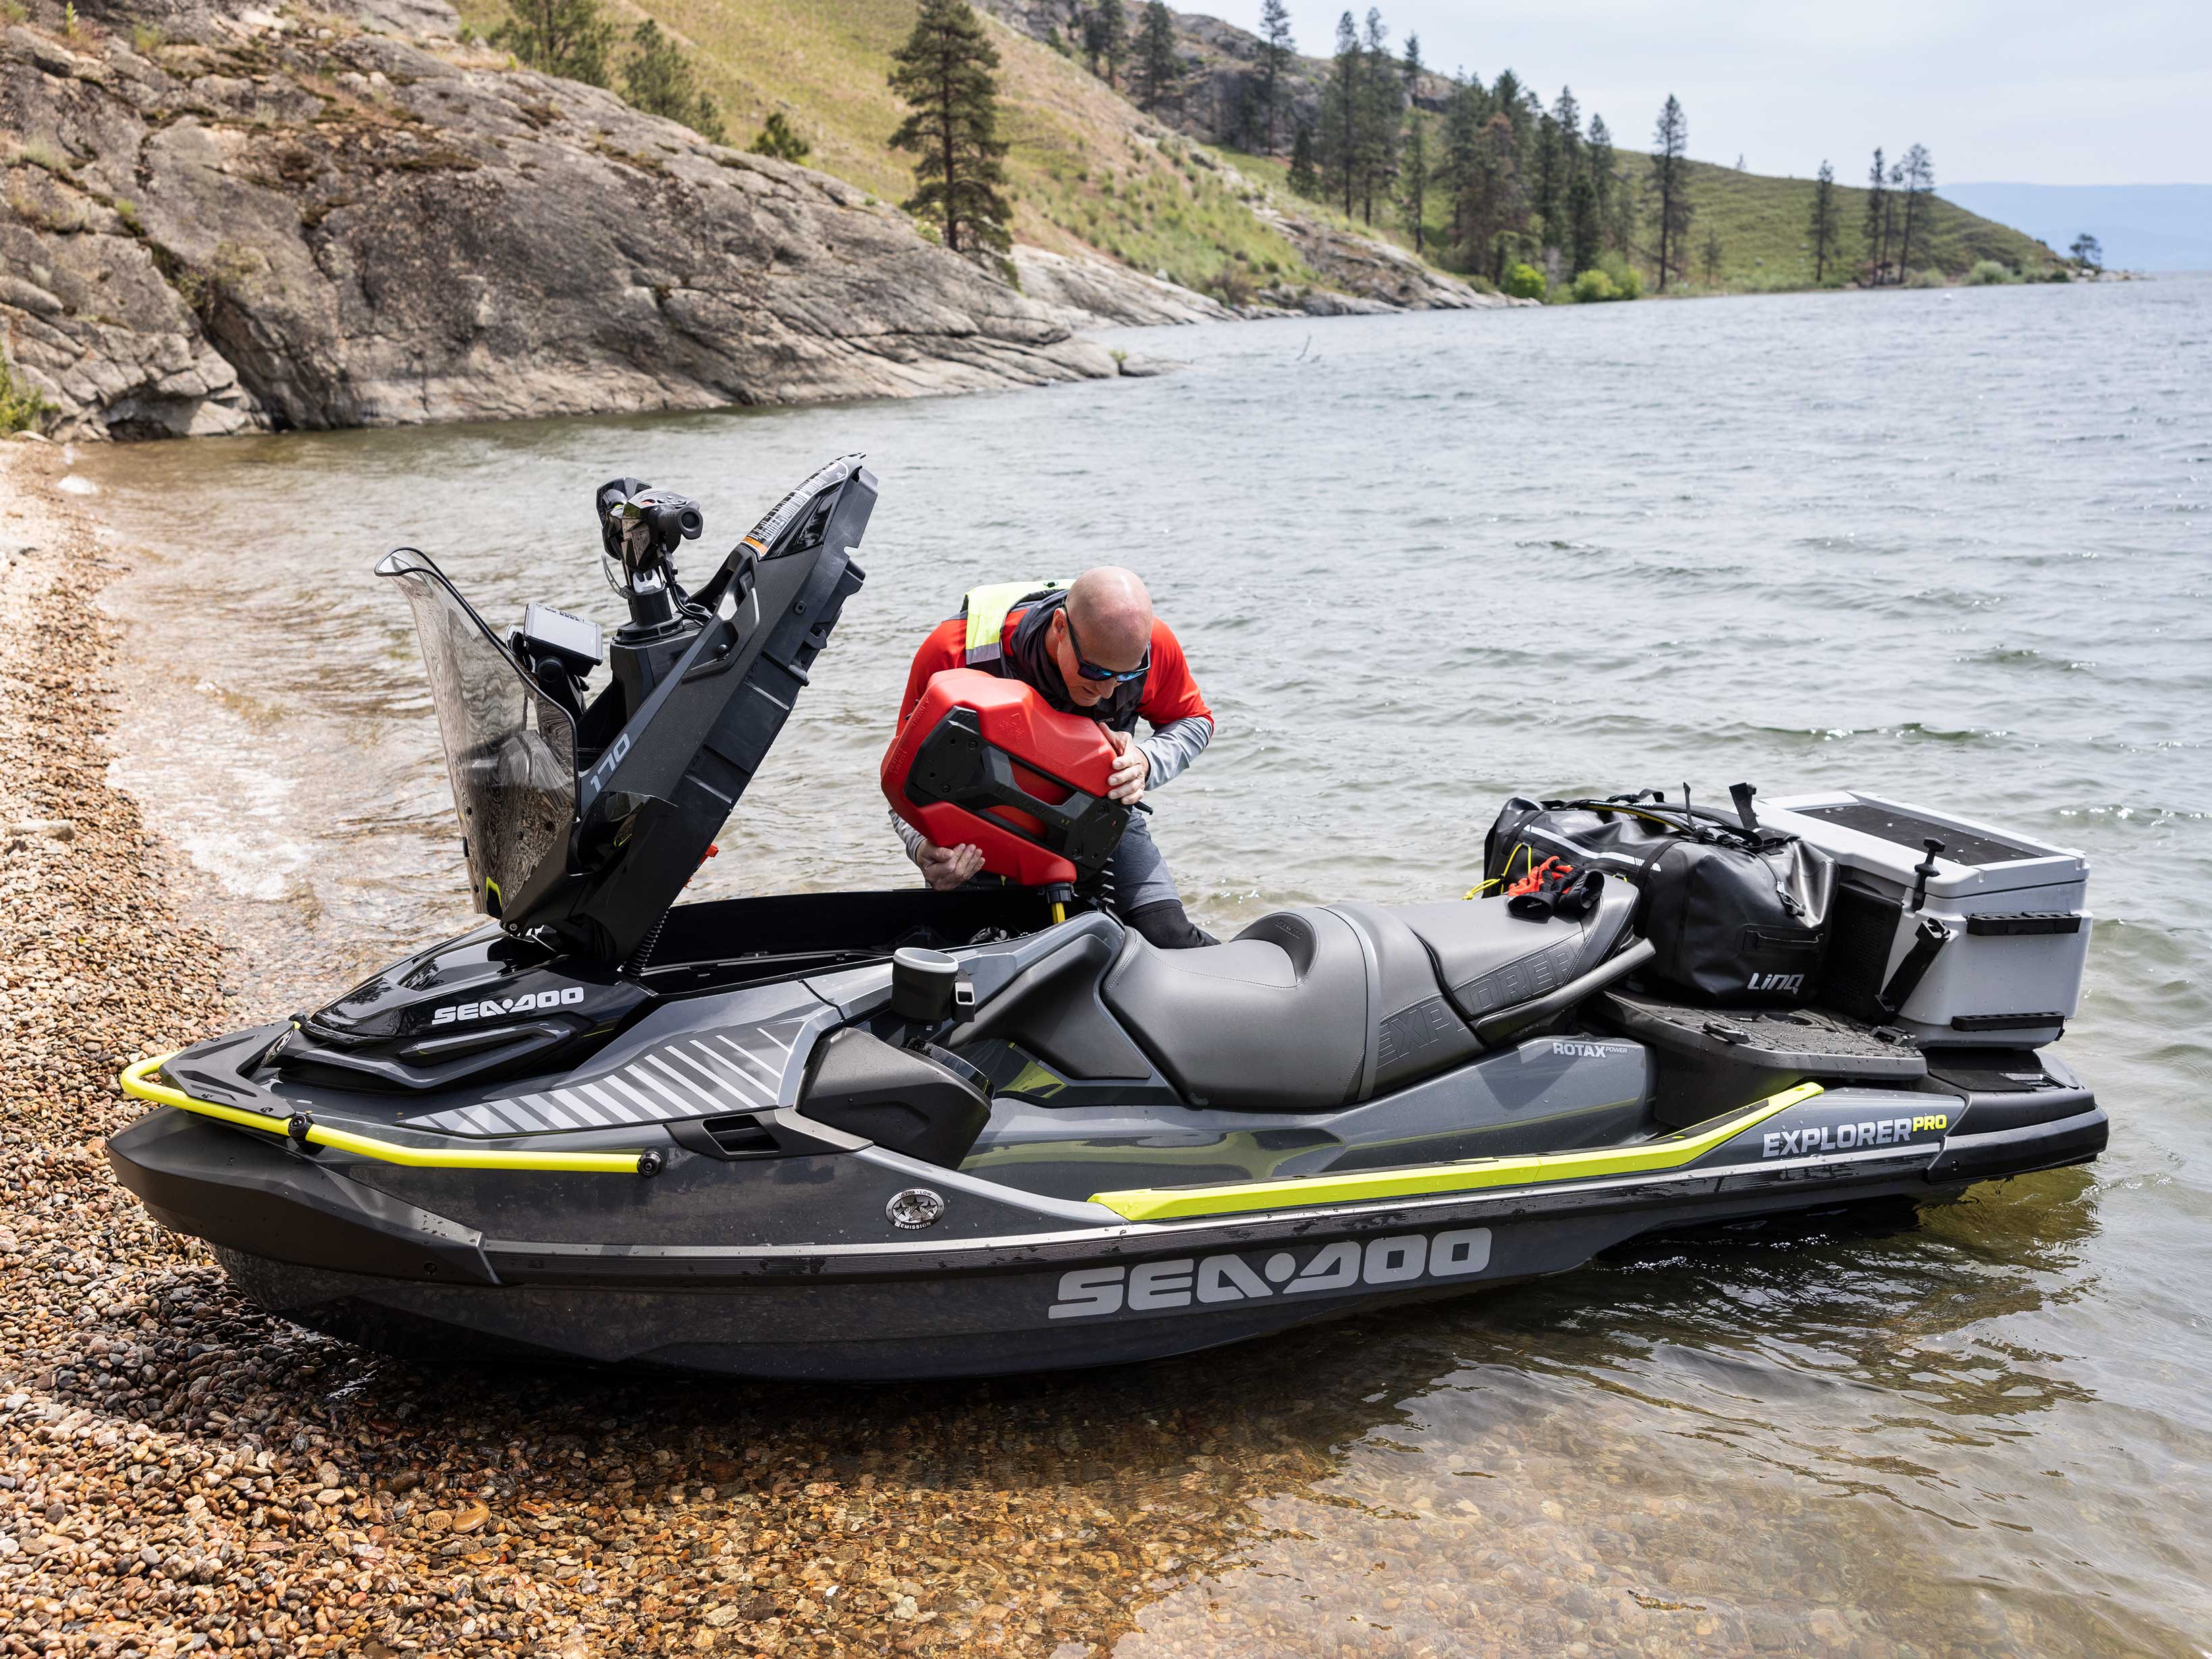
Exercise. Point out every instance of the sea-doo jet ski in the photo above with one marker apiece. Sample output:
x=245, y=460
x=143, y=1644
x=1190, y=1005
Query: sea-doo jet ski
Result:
x=913, y=1133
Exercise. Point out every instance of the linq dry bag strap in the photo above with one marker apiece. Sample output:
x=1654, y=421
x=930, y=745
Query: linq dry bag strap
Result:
x=1621, y=837
x=1735, y=913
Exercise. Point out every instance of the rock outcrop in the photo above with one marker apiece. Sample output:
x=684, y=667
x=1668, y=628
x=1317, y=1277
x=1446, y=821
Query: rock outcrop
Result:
x=1091, y=291
x=218, y=218
x=1215, y=95
x=1381, y=274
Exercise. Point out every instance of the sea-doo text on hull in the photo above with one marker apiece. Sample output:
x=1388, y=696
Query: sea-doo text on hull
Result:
x=912, y=1134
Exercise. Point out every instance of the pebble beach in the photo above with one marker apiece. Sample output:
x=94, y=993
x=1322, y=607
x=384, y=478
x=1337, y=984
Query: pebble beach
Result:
x=179, y=1472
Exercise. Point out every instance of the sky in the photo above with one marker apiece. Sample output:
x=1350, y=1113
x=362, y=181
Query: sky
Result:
x=2039, y=91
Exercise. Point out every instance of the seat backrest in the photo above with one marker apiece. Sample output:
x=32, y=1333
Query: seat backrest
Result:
x=1413, y=1030
x=1487, y=958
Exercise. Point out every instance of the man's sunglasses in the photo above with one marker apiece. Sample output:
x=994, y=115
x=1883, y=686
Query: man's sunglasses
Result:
x=1091, y=670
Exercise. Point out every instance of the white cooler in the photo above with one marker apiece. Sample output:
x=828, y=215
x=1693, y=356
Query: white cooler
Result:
x=2010, y=972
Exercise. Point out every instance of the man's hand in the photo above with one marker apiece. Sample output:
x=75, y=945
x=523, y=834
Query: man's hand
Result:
x=1126, y=782
x=946, y=868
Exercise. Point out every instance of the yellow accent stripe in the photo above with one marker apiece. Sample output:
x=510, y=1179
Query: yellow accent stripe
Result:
x=137, y=1080
x=1471, y=1175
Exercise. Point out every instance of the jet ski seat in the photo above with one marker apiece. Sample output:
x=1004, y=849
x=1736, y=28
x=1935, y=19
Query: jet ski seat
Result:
x=1327, y=1005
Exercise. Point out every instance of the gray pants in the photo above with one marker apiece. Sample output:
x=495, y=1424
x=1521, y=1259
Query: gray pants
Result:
x=1137, y=875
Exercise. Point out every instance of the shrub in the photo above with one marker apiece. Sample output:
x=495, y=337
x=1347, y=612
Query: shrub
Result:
x=1233, y=287
x=780, y=139
x=1628, y=284
x=1525, y=281
x=1592, y=286
x=1930, y=278
x=1988, y=271
x=659, y=79
x=568, y=38
x=21, y=408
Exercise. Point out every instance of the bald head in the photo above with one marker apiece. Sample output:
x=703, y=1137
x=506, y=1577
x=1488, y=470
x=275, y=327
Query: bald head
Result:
x=1113, y=613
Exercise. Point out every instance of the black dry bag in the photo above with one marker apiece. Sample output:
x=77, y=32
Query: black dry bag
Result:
x=1735, y=915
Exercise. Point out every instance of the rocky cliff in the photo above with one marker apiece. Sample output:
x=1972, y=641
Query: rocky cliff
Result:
x=1220, y=63
x=221, y=218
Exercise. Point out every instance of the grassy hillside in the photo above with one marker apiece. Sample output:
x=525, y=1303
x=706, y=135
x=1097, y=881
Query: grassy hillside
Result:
x=1086, y=168
x=1762, y=222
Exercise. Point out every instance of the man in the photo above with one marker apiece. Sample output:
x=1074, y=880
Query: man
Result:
x=1094, y=648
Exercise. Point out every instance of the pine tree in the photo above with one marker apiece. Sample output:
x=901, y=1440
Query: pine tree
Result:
x=1381, y=114
x=1584, y=234
x=943, y=71
x=1822, y=230
x=1492, y=208
x=568, y=38
x=1889, y=210
x=1670, y=139
x=2088, y=253
x=1506, y=99
x=1568, y=114
x=1551, y=181
x=1106, y=39
x=1416, y=171
x=1877, y=216
x=1276, y=51
x=1463, y=118
x=781, y=139
x=659, y=79
x=1712, y=257
x=1159, y=69
x=1341, y=113
x=1605, y=187
x=1918, y=169
x=1305, y=178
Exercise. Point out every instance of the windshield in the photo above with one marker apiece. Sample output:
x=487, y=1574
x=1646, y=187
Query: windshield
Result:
x=510, y=750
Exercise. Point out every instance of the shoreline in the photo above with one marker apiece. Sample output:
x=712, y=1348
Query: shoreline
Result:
x=1125, y=364
x=179, y=1470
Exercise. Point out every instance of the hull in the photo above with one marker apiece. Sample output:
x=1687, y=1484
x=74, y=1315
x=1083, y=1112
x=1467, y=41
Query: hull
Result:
x=1016, y=1283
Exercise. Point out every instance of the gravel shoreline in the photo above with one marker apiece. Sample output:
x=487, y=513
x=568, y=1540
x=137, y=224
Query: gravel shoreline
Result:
x=179, y=1472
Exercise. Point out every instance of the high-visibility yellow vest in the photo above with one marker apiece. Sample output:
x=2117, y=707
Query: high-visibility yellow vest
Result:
x=986, y=607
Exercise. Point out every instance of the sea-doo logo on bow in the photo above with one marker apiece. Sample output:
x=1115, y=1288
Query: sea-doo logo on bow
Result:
x=491, y=1007
x=1161, y=1286
x=1793, y=984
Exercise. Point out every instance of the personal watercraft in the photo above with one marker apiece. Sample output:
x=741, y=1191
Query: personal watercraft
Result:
x=912, y=1134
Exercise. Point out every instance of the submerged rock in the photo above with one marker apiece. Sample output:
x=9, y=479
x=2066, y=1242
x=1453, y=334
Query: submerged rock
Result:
x=223, y=221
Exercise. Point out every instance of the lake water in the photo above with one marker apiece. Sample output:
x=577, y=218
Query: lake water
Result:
x=1951, y=546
